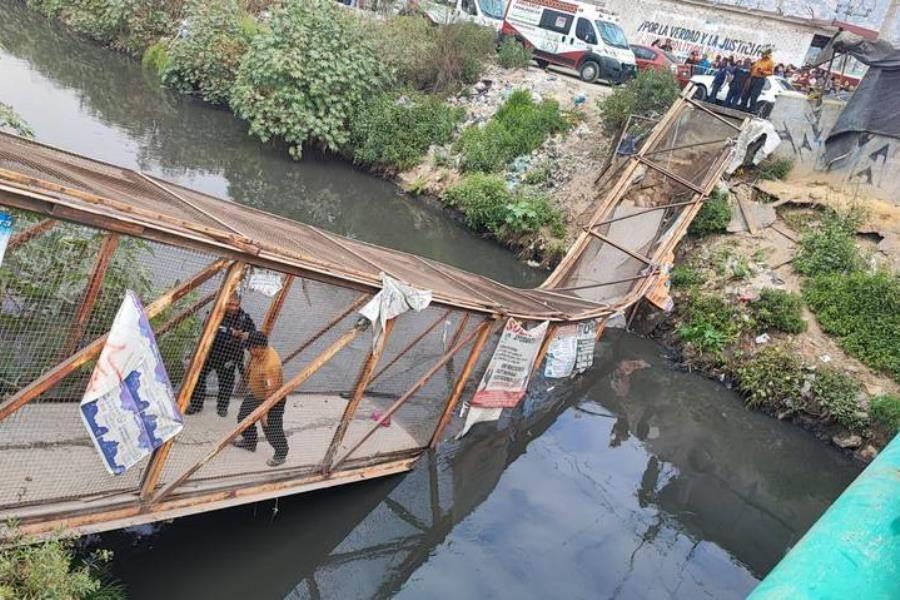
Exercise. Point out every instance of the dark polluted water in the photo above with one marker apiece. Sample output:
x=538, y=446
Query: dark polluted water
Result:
x=632, y=481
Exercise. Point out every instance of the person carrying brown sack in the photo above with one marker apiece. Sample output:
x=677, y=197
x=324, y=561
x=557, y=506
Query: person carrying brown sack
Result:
x=264, y=377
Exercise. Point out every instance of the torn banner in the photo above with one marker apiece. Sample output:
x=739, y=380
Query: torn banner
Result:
x=395, y=298
x=506, y=379
x=6, y=227
x=571, y=350
x=129, y=407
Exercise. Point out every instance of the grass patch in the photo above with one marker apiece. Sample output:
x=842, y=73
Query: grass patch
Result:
x=394, y=131
x=488, y=205
x=829, y=249
x=772, y=377
x=538, y=174
x=519, y=126
x=686, y=276
x=885, y=410
x=774, y=168
x=862, y=310
x=778, y=309
x=650, y=94
x=713, y=216
x=513, y=55
x=838, y=393
x=709, y=323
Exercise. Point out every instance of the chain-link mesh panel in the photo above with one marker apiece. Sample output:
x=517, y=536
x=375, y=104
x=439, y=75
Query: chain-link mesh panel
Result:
x=46, y=453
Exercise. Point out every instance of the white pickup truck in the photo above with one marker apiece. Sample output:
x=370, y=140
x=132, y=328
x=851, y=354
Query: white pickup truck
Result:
x=774, y=87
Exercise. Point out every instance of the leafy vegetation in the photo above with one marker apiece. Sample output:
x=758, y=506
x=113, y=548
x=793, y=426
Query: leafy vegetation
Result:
x=686, y=276
x=713, y=216
x=489, y=205
x=862, y=310
x=649, y=95
x=829, y=249
x=518, y=127
x=775, y=168
x=439, y=60
x=394, y=131
x=538, y=174
x=778, y=309
x=304, y=76
x=512, y=54
x=10, y=120
x=885, y=410
x=838, y=393
x=708, y=322
x=772, y=377
x=204, y=57
x=50, y=571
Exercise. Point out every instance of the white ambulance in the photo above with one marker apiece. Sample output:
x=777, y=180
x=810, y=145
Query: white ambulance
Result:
x=488, y=13
x=571, y=34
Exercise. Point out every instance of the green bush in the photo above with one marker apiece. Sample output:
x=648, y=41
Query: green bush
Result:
x=649, y=95
x=830, y=249
x=50, y=571
x=489, y=205
x=205, y=58
x=394, y=131
x=10, y=120
x=538, y=174
x=885, y=410
x=156, y=58
x=512, y=54
x=714, y=215
x=778, y=309
x=435, y=59
x=685, y=276
x=772, y=377
x=709, y=322
x=518, y=127
x=305, y=75
x=775, y=168
x=862, y=310
x=839, y=393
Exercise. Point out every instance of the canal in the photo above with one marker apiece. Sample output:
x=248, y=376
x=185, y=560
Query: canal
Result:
x=635, y=480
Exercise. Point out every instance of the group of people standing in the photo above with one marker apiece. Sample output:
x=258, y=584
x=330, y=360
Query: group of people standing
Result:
x=263, y=374
x=745, y=80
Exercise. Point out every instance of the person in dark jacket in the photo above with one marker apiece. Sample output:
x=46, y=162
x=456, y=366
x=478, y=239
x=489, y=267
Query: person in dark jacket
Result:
x=738, y=81
x=225, y=355
x=724, y=73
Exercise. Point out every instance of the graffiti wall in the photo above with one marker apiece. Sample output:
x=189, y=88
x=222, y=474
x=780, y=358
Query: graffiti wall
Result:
x=712, y=30
x=873, y=164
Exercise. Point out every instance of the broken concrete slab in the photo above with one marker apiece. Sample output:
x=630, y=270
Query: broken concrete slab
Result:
x=749, y=215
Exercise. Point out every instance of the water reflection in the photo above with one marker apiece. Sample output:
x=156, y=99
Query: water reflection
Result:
x=631, y=482
x=84, y=98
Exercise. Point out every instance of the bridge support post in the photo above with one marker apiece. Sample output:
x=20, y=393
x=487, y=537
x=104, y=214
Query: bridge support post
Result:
x=362, y=383
x=232, y=279
x=484, y=333
x=91, y=292
x=276, y=306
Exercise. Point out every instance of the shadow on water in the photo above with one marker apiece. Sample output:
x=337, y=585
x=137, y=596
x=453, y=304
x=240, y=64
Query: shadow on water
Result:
x=633, y=481
x=84, y=98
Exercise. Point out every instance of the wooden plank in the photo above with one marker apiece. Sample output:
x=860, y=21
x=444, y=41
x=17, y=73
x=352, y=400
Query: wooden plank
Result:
x=643, y=212
x=334, y=321
x=362, y=383
x=615, y=245
x=180, y=317
x=276, y=306
x=226, y=291
x=484, y=333
x=36, y=230
x=91, y=292
x=278, y=395
x=406, y=396
x=49, y=379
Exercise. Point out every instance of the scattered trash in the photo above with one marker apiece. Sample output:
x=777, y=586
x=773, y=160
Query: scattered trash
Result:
x=376, y=415
x=763, y=339
x=825, y=358
x=579, y=99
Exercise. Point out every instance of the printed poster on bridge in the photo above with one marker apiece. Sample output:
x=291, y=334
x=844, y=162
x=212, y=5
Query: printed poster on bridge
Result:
x=506, y=379
x=129, y=408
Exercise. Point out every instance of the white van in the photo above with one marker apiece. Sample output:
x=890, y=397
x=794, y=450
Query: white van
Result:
x=488, y=13
x=576, y=35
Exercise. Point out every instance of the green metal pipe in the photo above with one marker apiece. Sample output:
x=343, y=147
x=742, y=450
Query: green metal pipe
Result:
x=853, y=550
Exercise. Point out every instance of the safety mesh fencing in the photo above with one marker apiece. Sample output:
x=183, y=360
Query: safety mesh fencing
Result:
x=46, y=453
x=634, y=229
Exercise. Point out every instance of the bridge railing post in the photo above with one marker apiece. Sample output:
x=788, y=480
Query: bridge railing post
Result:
x=231, y=282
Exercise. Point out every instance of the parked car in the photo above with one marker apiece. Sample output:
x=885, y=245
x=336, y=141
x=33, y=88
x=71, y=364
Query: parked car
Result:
x=774, y=87
x=649, y=57
x=488, y=13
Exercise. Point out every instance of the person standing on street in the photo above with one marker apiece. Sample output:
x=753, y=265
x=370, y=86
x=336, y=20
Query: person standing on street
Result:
x=760, y=70
x=225, y=354
x=723, y=76
x=264, y=377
